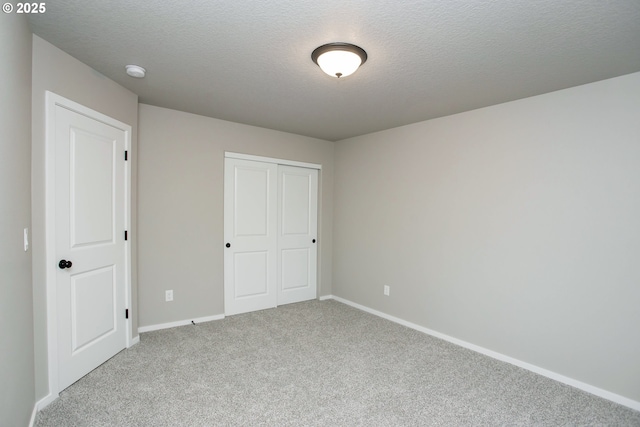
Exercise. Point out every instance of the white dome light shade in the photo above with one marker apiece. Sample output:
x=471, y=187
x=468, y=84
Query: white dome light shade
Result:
x=339, y=63
x=339, y=59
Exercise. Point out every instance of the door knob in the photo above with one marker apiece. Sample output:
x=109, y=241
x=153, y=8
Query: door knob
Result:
x=228, y=245
x=313, y=241
x=65, y=264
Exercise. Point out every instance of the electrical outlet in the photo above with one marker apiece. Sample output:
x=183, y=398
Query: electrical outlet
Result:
x=168, y=295
x=386, y=290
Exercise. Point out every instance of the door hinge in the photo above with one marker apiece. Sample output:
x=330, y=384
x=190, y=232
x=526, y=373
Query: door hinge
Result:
x=126, y=235
x=126, y=155
x=126, y=313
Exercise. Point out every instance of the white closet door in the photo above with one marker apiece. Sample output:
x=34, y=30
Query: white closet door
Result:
x=250, y=228
x=297, y=234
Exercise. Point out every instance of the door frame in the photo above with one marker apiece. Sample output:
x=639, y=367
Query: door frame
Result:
x=284, y=162
x=52, y=101
x=240, y=156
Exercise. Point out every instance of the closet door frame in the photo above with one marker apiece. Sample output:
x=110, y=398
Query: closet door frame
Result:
x=283, y=162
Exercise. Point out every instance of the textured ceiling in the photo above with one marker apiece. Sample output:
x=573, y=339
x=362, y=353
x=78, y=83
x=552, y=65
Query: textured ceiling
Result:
x=248, y=61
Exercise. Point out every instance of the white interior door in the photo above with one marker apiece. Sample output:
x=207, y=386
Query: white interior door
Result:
x=89, y=238
x=297, y=234
x=250, y=229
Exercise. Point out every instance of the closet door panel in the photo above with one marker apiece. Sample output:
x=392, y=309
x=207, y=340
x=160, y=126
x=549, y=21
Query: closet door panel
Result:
x=250, y=228
x=297, y=234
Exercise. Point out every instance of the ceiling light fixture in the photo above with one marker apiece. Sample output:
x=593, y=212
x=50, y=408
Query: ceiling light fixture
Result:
x=339, y=59
x=135, y=71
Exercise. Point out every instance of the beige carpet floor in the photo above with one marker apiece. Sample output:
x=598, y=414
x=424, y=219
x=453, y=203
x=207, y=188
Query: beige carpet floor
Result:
x=317, y=364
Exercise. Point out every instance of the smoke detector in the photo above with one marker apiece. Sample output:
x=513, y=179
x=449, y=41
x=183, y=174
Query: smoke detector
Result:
x=135, y=71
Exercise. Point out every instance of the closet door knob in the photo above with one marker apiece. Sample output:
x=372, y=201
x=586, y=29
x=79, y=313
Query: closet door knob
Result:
x=228, y=245
x=313, y=241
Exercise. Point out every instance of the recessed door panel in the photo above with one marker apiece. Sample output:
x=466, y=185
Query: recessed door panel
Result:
x=92, y=196
x=251, y=202
x=251, y=272
x=295, y=269
x=296, y=203
x=93, y=304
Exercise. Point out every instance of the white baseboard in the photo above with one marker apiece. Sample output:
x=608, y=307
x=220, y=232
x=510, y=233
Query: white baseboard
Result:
x=49, y=398
x=43, y=403
x=178, y=323
x=34, y=412
x=625, y=401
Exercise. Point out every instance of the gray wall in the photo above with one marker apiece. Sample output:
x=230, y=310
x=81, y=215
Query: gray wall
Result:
x=17, y=396
x=180, y=207
x=56, y=71
x=513, y=227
